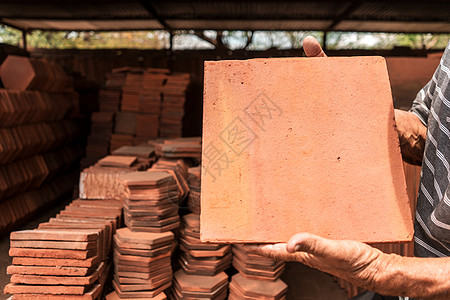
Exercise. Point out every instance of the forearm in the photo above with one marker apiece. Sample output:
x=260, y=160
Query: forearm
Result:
x=412, y=135
x=425, y=278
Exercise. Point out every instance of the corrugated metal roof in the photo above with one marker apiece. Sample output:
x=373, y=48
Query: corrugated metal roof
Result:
x=248, y=24
x=69, y=9
x=86, y=25
x=322, y=15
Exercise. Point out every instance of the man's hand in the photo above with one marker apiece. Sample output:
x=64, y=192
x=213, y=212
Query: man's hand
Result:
x=365, y=266
x=350, y=260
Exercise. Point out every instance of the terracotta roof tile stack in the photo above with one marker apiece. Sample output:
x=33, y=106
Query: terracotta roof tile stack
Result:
x=180, y=148
x=199, y=258
x=118, y=140
x=256, y=267
x=101, y=181
x=142, y=264
x=187, y=286
x=131, y=90
x=244, y=288
x=70, y=254
x=151, y=201
x=102, y=124
x=150, y=104
x=193, y=202
x=25, y=73
x=174, y=97
x=142, y=151
x=22, y=206
x=110, y=96
x=47, y=263
x=37, y=134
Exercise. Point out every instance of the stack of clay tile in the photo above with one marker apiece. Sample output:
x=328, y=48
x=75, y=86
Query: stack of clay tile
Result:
x=244, y=288
x=256, y=267
x=102, y=124
x=199, y=258
x=143, y=152
x=124, y=130
x=151, y=201
x=174, y=97
x=118, y=140
x=101, y=180
x=125, y=123
x=148, y=126
x=131, y=89
x=142, y=264
x=30, y=173
x=109, y=97
x=20, y=207
x=180, y=147
x=27, y=140
x=187, y=286
x=109, y=104
x=194, y=182
x=35, y=135
x=152, y=87
x=49, y=263
x=25, y=107
x=178, y=168
x=24, y=73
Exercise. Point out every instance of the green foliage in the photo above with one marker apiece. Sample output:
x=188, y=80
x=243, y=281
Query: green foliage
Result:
x=257, y=40
x=98, y=40
x=10, y=35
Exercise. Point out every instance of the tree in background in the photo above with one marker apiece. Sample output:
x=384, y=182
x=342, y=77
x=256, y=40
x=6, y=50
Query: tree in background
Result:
x=220, y=40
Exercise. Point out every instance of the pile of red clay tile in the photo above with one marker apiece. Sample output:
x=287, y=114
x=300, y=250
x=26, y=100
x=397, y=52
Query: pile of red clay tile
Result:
x=148, y=118
x=101, y=181
x=23, y=206
x=256, y=267
x=187, y=286
x=142, y=263
x=60, y=264
x=146, y=104
x=180, y=147
x=172, y=110
x=194, y=182
x=151, y=201
x=244, y=288
x=68, y=257
x=199, y=258
x=38, y=150
x=24, y=73
x=142, y=151
x=102, y=124
x=126, y=119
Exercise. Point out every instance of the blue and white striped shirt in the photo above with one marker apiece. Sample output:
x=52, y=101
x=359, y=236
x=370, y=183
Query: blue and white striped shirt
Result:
x=432, y=106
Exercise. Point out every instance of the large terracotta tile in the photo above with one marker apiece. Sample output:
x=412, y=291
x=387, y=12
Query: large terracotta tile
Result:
x=301, y=144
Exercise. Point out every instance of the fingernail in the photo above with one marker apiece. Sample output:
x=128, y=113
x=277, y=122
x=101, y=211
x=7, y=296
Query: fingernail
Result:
x=297, y=248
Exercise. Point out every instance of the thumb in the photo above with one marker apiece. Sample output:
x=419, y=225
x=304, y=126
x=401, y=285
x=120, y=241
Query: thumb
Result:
x=313, y=244
x=312, y=47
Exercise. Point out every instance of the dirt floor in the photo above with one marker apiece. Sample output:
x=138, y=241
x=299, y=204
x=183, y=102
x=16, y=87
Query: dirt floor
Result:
x=304, y=283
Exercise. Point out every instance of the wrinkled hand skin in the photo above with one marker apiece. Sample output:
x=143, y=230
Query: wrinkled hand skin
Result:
x=365, y=266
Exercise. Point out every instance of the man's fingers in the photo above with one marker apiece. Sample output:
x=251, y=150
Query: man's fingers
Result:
x=274, y=251
x=313, y=244
x=312, y=47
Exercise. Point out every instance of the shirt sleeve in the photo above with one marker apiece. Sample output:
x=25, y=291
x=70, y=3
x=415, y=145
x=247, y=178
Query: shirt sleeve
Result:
x=422, y=104
x=439, y=220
